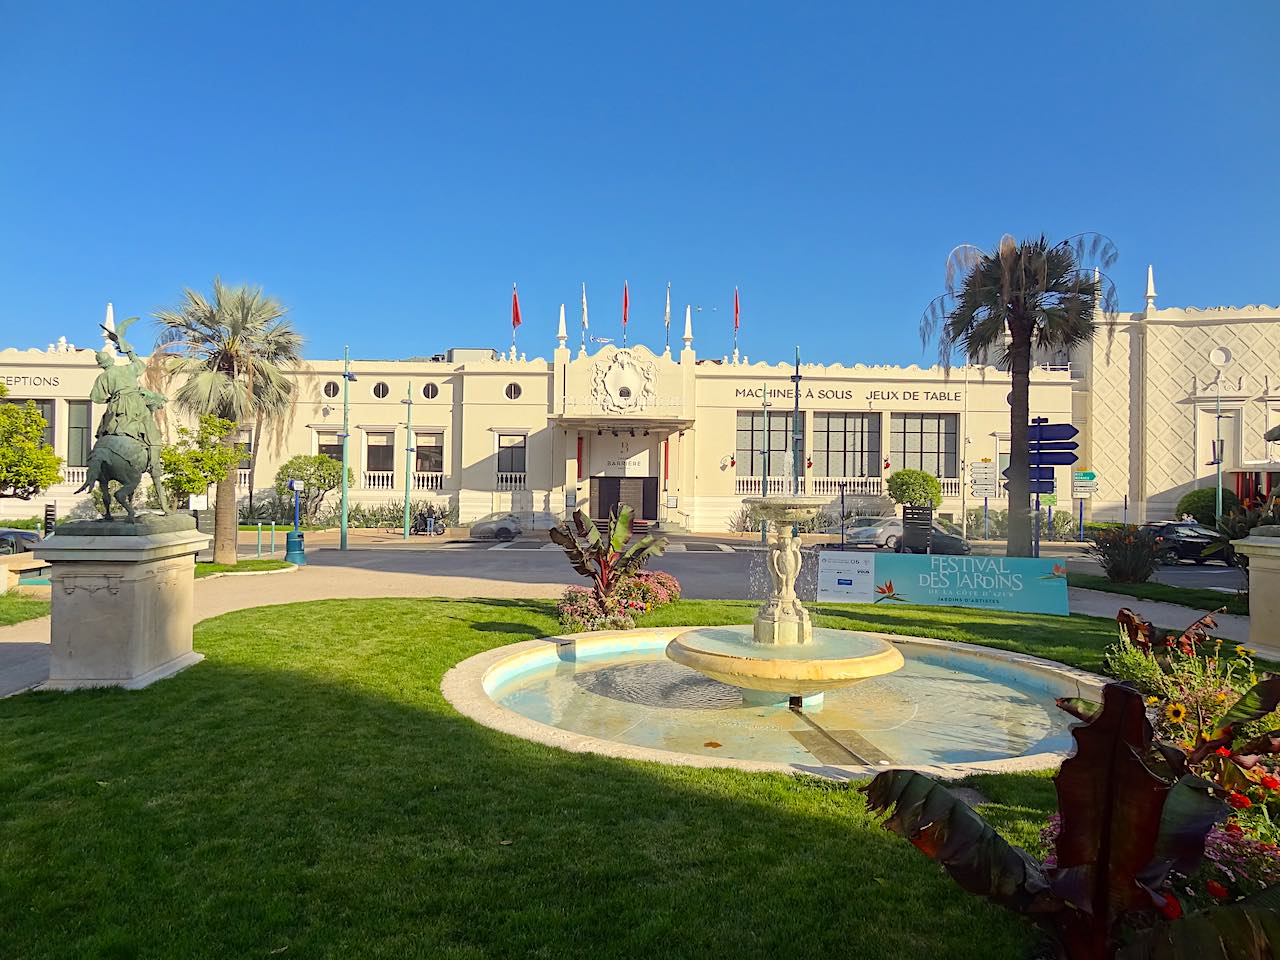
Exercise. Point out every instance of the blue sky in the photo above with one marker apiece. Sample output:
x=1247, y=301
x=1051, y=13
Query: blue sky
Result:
x=389, y=169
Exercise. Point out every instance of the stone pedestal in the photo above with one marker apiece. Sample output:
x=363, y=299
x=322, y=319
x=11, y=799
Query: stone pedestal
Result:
x=122, y=592
x=1262, y=547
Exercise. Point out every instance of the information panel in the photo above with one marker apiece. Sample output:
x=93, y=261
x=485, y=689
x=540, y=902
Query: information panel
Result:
x=845, y=577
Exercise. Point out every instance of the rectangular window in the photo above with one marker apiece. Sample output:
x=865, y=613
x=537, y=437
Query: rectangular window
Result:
x=79, y=432
x=44, y=408
x=846, y=445
x=925, y=441
x=329, y=445
x=380, y=455
x=244, y=438
x=430, y=447
x=750, y=446
x=511, y=449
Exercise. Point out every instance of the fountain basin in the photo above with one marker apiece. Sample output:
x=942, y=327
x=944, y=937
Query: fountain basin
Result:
x=785, y=508
x=829, y=659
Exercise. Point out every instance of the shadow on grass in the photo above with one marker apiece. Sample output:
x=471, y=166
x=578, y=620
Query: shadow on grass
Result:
x=307, y=791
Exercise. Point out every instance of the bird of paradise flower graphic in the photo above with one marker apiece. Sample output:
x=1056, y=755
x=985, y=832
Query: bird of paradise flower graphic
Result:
x=886, y=592
x=1059, y=572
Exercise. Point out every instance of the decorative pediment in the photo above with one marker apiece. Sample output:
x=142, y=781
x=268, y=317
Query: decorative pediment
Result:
x=623, y=382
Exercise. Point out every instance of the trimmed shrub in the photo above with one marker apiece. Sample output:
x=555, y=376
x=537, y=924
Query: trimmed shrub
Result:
x=1201, y=504
x=915, y=487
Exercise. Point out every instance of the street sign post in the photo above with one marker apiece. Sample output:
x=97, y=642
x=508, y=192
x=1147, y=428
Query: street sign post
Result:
x=982, y=479
x=1050, y=445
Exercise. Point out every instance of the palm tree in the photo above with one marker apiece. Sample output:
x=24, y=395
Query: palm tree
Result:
x=232, y=353
x=1011, y=302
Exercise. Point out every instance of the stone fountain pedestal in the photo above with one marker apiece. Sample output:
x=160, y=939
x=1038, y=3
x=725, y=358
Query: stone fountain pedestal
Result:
x=122, y=610
x=782, y=619
x=1262, y=547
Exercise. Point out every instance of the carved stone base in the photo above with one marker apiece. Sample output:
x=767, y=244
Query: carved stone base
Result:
x=1263, y=552
x=122, y=611
x=783, y=622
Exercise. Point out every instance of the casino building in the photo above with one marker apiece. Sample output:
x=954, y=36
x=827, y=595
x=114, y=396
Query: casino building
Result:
x=683, y=439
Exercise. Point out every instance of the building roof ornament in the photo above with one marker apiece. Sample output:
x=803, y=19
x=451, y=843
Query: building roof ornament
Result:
x=562, y=335
x=1151, y=288
x=688, y=327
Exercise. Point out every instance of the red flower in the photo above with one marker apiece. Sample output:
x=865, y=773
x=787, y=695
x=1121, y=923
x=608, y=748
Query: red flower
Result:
x=1239, y=800
x=887, y=589
x=1234, y=829
x=1171, y=908
x=1216, y=889
x=1270, y=782
x=1223, y=752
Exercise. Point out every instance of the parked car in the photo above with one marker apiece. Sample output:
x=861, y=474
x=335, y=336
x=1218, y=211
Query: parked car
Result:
x=497, y=526
x=17, y=541
x=1187, y=540
x=886, y=534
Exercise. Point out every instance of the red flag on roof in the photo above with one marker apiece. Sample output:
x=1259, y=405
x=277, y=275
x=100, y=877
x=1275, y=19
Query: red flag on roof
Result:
x=626, y=302
x=515, y=308
x=735, y=308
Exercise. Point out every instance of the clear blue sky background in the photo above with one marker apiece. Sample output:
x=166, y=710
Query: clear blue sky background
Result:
x=388, y=169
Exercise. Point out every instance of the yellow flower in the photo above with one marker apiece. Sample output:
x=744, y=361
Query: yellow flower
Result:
x=1251, y=652
x=1239, y=649
x=1153, y=699
x=1176, y=712
x=1221, y=697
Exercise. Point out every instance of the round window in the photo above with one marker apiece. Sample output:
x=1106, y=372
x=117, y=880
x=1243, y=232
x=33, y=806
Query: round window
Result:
x=624, y=393
x=513, y=391
x=331, y=389
x=380, y=390
x=430, y=391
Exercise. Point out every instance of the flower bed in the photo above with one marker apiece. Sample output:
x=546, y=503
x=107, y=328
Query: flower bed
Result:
x=580, y=610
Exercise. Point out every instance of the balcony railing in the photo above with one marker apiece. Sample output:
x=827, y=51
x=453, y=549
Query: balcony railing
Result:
x=750, y=486
x=853, y=486
x=378, y=480
x=511, y=481
x=428, y=481
x=76, y=475
x=950, y=488
x=242, y=477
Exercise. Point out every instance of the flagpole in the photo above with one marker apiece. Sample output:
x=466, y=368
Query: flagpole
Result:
x=667, y=319
x=584, y=318
x=513, y=324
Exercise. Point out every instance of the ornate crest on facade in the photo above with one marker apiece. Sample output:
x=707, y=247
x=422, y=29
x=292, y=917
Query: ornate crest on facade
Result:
x=623, y=383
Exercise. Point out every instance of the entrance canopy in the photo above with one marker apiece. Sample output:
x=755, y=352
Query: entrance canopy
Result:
x=608, y=424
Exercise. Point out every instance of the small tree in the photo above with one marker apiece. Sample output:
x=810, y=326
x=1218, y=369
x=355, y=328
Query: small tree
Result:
x=28, y=465
x=916, y=488
x=200, y=457
x=319, y=473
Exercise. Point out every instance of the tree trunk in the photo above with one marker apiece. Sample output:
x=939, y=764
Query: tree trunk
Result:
x=1019, y=484
x=226, y=520
x=253, y=456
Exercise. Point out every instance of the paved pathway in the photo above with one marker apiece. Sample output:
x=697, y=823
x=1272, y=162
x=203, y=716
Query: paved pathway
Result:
x=24, y=647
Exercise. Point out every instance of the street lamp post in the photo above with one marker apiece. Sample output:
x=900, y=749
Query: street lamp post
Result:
x=347, y=379
x=1219, y=357
x=409, y=450
x=764, y=473
x=797, y=432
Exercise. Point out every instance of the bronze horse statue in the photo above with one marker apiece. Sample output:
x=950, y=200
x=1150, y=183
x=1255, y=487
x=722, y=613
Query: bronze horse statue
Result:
x=119, y=458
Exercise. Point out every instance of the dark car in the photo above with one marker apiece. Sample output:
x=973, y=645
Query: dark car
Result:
x=1187, y=540
x=17, y=541
x=887, y=535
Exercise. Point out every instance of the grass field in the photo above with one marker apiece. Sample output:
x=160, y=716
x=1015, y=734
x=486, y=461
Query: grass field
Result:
x=306, y=791
x=14, y=608
x=243, y=566
x=1197, y=599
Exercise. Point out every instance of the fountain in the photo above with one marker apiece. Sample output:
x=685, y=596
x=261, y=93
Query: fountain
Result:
x=782, y=656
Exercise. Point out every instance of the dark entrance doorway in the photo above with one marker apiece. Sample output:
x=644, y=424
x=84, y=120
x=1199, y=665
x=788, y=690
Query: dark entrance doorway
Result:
x=640, y=493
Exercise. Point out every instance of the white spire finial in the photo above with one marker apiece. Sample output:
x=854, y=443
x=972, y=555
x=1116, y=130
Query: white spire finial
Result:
x=688, y=327
x=1151, y=287
x=562, y=335
x=109, y=324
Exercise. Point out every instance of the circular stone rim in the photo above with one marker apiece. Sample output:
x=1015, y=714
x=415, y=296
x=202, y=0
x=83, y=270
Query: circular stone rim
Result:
x=779, y=675
x=463, y=686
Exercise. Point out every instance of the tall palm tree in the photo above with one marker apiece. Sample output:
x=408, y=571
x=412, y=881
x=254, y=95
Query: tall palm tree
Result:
x=232, y=353
x=1009, y=303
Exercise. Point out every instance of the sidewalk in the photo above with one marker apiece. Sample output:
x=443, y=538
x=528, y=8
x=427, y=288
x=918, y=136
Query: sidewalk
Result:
x=1169, y=616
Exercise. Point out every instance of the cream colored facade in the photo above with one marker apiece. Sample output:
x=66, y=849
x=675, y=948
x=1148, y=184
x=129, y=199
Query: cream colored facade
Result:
x=681, y=437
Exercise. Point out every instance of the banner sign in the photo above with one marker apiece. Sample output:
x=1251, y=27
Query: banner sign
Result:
x=1018, y=584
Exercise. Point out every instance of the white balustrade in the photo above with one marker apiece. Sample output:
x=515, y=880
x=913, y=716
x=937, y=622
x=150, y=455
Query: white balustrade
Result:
x=853, y=486
x=950, y=488
x=242, y=477
x=428, y=481
x=378, y=480
x=511, y=481
x=750, y=486
x=75, y=475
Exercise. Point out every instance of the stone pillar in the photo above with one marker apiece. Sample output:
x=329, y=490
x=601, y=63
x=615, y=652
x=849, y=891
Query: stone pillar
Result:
x=1262, y=547
x=122, y=613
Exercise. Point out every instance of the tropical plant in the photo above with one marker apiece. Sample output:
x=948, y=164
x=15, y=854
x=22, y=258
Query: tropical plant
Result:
x=1128, y=554
x=606, y=561
x=1203, y=505
x=27, y=464
x=233, y=353
x=1130, y=819
x=320, y=476
x=1010, y=302
x=1238, y=523
x=915, y=487
x=200, y=457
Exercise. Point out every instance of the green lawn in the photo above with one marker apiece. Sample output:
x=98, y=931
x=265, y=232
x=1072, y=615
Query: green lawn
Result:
x=306, y=791
x=244, y=566
x=14, y=608
x=1197, y=599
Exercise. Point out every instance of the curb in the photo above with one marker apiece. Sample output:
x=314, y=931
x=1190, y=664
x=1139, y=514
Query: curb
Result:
x=292, y=568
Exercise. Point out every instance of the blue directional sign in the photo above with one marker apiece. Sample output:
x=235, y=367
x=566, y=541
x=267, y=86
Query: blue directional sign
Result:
x=1051, y=444
x=1053, y=431
x=1060, y=458
x=1034, y=473
x=1040, y=486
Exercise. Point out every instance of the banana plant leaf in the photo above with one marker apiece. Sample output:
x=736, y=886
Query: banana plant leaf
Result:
x=946, y=830
x=1079, y=708
x=620, y=529
x=1248, y=930
x=1111, y=805
x=1190, y=811
x=1254, y=704
x=1251, y=753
